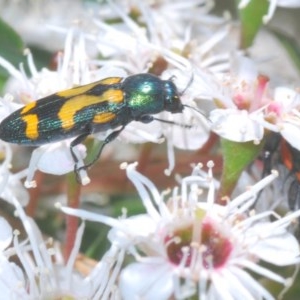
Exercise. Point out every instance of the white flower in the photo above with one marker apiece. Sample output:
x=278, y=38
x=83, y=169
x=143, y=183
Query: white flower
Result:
x=35, y=21
x=203, y=245
x=11, y=276
x=249, y=107
x=44, y=274
x=158, y=29
x=237, y=125
x=11, y=184
x=186, y=247
x=241, y=96
x=282, y=115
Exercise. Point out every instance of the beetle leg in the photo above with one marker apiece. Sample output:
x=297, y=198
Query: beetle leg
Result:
x=76, y=142
x=107, y=140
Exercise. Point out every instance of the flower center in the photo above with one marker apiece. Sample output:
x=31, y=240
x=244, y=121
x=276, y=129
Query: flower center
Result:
x=251, y=95
x=217, y=247
x=213, y=246
x=179, y=240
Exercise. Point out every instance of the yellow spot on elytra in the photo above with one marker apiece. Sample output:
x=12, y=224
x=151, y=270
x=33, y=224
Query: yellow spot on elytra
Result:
x=75, y=104
x=80, y=90
x=75, y=91
x=28, y=107
x=31, y=126
x=113, y=96
x=102, y=118
x=110, y=80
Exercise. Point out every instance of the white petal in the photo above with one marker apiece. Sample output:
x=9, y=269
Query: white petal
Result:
x=280, y=250
x=137, y=132
x=57, y=159
x=251, y=284
x=236, y=125
x=108, y=71
x=136, y=226
x=226, y=283
x=19, y=191
x=12, y=283
x=243, y=68
x=7, y=106
x=146, y=281
x=5, y=234
x=286, y=96
x=14, y=188
x=188, y=138
x=78, y=289
x=291, y=133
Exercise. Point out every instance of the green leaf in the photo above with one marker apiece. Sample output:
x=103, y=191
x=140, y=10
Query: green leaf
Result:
x=251, y=18
x=236, y=157
x=3, y=79
x=11, y=46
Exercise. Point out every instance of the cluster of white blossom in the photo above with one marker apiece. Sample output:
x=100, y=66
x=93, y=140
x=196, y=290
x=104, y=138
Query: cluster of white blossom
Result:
x=186, y=244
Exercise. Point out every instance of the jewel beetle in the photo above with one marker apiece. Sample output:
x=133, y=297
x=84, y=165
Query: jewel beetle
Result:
x=111, y=103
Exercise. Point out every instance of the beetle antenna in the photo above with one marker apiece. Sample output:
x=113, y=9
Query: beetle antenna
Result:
x=173, y=123
x=195, y=109
x=188, y=85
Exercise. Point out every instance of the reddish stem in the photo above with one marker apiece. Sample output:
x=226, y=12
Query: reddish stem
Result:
x=73, y=194
x=34, y=194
